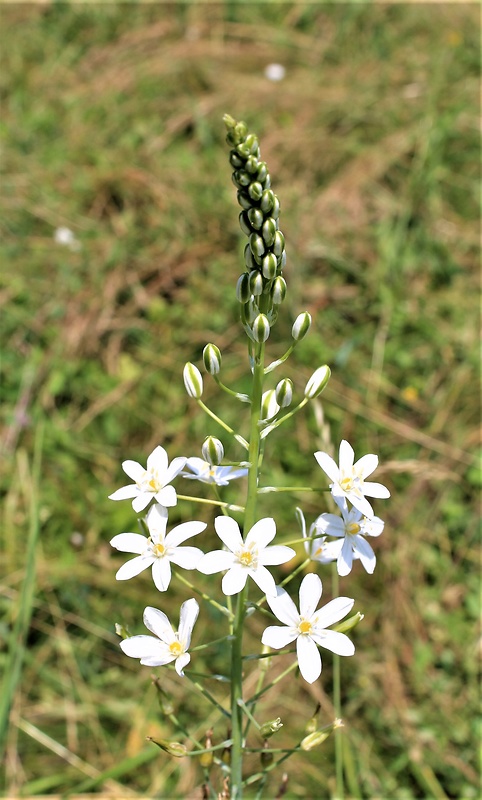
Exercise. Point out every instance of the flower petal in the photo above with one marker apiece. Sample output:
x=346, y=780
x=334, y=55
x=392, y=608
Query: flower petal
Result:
x=129, y=543
x=133, y=567
x=175, y=467
x=229, y=533
x=337, y=642
x=134, y=470
x=161, y=573
x=235, y=580
x=309, y=659
x=330, y=524
x=158, y=461
x=277, y=554
x=215, y=561
x=366, y=465
x=141, y=501
x=167, y=496
x=283, y=607
x=264, y=579
x=375, y=489
x=125, y=492
x=372, y=527
x=184, y=531
x=157, y=521
x=144, y=647
x=187, y=619
x=364, y=550
x=181, y=662
x=186, y=557
x=345, y=559
x=360, y=502
x=310, y=593
x=328, y=465
x=277, y=636
x=158, y=623
x=262, y=532
x=346, y=456
x=333, y=612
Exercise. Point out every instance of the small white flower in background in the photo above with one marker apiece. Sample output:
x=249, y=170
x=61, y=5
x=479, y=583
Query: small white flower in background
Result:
x=308, y=626
x=244, y=558
x=151, y=482
x=352, y=526
x=159, y=549
x=318, y=549
x=349, y=478
x=205, y=472
x=275, y=72
x=66, y=237
x=169, y=645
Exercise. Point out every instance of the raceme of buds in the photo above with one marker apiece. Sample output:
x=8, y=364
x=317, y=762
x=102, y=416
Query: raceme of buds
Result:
x=317, y=382
x=301, y=326
x=193, y=381
x=284, y=392
x=260, y=328
x=212, y=359
x=212, y=450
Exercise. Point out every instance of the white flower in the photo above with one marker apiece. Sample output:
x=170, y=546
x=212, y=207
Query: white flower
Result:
x=159, y=549
x=308, y=626
x=352, y=526
x=318, y=549
x=66, y=237
x=245, y=558
x=274, y=72
x=168, y=646
x=205, y=472
x=349, y=478
x=151, y=482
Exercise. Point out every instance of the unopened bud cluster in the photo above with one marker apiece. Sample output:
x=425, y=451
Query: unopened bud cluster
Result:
x=261, y=288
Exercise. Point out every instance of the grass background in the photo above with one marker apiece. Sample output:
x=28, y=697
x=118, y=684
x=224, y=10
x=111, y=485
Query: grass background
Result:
x=111, y=126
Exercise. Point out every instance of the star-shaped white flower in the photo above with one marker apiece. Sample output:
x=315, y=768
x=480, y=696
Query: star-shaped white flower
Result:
x=352, y=526
x=349, y=478
x=152, y=482
x=169, y=645
x=205, y=472
x=243, y=558
x=159, y=549
x=308, y=627
x=318, y=549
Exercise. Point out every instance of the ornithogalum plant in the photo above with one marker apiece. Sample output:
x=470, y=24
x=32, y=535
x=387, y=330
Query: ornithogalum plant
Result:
x=250, y=548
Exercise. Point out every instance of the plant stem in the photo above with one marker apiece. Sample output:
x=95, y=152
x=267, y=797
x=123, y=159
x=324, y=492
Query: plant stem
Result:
x=337, y=704
x=249, y=520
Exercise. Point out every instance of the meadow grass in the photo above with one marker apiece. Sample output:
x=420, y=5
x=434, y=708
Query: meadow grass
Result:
x=112, y=127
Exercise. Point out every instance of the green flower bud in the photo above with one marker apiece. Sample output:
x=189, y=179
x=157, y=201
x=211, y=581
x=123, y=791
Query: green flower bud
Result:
x=278, y=243
x=269, y=232
x=267, y=201
x=212, y=359
x=321, y=735
x=269, y=405
x=256, y=283
x=282, y=260
x=284, y=392
x=242, y=178
x=256, y=218
x=244, y=199
x=122, y=631
x=269, y=266
x=255, y=190
x=212, y=450
x=240, y=130
x=348, y=624
x=256, y=245
x=252, y=142
x=193, y=381
x=251, y=165
x=301, y=326
x=270, y=727
x=260, y=328
x=262, y=171
x=267, y=182
x=243, y=292
x=235, y=160
x=175, y=749
x=248, y=258
x=244, y=223
x=275, y=209
x=243, y=150
x=317, y=382
x=266, y=757
x=278, y=290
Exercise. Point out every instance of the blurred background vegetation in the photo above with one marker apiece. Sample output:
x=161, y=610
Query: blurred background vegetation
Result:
x=112, y=128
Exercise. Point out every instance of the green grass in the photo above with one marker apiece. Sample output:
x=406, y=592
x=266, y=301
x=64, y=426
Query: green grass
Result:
x=112, y=126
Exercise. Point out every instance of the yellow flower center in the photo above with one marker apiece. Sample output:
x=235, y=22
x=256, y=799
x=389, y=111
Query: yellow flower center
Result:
x=304, y=626
x=347, y=484
x=175, y=648
x=246, y=558
x=159, y=550
x=352, y=528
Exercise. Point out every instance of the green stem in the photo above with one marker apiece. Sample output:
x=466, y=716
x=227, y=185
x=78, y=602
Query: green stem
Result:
x=249, y=521
x=220, y=422
x=337, y=704
x=224, y=506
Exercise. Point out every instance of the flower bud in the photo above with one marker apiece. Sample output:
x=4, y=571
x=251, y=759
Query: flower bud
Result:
x=244, y=223
x=243, y=292
x=278, y=243
x=269, y=405
x=260, y=328
x=255, y=190
x=256, y=283
x=252, y=142
x=269, y=232
x=270, y=727
x=267, y=201
x=269, y=266
x=278, y=290
x=284, y=392
x=251, y=165
x=282, y=260
x=212, y=450
x=235, y=160
x=193, y=381
x=255, y=217
x=349, y=623
x=301, y=326
x=248, y=258
x=318, y=737
x=317, y=382
x=175, y=749
x=262, y=171
x=256, y=245
x=267, y=182
x=244, y=199
x=212, y=359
